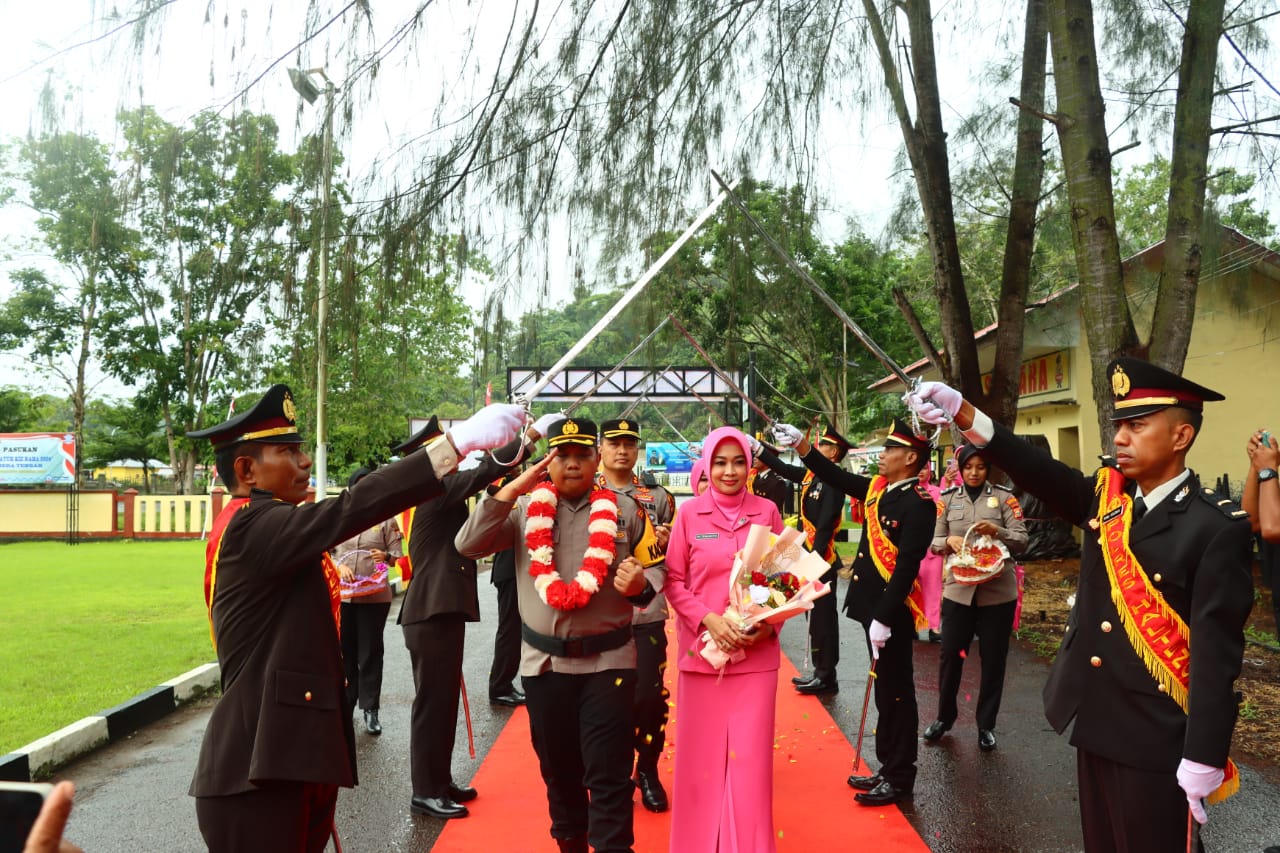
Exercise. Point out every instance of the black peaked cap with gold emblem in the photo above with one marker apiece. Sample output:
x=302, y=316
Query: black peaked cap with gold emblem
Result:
x=1139, y=388
x=572, y=431
x=620, y=428
x=830, y=436
x=272, y=420
x=901, y=435
x=419, y=438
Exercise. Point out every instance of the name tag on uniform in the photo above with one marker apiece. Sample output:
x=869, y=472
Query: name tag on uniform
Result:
x=707, y=536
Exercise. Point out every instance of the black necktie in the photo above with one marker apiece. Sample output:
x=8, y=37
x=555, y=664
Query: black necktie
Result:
x=1139, y=508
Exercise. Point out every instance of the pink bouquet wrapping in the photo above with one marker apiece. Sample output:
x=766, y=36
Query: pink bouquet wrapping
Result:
x=774, y=577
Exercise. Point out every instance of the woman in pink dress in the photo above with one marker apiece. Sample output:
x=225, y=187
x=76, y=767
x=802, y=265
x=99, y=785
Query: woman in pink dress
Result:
x=931, y=565
x=723, y=792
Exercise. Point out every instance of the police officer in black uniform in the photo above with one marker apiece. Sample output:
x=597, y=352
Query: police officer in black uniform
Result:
x=1164, y=562
x=821, y=509
x=896, y=533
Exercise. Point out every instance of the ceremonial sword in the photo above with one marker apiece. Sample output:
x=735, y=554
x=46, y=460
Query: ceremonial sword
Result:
x=632, y=293
x=603, y=379
x=867, y=341
x=723, y=376
x=866, y=703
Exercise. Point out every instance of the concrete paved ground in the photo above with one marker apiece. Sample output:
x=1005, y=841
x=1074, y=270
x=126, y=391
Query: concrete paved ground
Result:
x=1021, y=797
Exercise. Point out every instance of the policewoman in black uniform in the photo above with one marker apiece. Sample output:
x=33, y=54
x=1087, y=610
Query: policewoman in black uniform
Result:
x=884, y=592
x=1164, y=562
x=821, y=514
x=280, y=742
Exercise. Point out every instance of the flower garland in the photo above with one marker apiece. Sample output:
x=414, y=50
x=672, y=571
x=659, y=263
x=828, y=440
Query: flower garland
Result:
x=602, y=526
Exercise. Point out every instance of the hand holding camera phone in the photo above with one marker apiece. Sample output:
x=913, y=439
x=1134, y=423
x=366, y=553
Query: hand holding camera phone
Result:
x=25, y=806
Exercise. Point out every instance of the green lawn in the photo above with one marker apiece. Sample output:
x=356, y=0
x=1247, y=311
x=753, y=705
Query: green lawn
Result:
x=84, y=627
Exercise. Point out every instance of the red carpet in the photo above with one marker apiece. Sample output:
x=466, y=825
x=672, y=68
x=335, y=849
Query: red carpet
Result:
x=812, y=805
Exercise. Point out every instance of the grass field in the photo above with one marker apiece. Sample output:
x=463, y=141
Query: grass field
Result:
x=85, y=627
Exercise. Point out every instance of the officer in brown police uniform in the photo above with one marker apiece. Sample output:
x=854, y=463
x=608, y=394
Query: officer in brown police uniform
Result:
x=439, y=601
x=279, y=742
x=821, y=515
x=1163, y=561
x=576, y=604
x=619, y=449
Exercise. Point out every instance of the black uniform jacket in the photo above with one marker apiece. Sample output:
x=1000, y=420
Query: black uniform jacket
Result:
x=444, y=581
x=820, y=504
x=1196, y=553
x=283, y=715
x=907, y=514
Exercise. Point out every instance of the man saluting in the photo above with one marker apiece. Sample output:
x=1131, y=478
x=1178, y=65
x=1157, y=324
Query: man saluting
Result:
x=585, y=556
x=1163, y=561
x=280, y=742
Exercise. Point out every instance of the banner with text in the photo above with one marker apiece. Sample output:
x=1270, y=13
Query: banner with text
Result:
x=37, y=457
x=1047, y=374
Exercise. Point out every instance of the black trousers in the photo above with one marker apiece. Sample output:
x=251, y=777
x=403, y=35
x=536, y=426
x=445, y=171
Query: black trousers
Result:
x=581, y=730
x=992, y=625
x=435, y=652
x=289, y=817
x=824, y=633
x=898, y=726
x=1127, y=810
x=651, y=693
x=362, y=652
x=506, y=641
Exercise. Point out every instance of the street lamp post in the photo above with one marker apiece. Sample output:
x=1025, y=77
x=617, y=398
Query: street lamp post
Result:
x=302, y=82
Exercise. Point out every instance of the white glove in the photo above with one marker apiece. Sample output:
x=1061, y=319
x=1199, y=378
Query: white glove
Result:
x=934, y=402
x=492, y=426
x=755, y=445
x=1199, y=781
x=543, y=424
x=878, y=634
x=786, y=435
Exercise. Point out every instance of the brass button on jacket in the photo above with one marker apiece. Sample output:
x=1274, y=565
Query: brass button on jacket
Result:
x=1096, y=661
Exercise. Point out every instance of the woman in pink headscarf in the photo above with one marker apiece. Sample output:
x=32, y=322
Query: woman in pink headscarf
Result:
x=723, y=792
x=931, y=565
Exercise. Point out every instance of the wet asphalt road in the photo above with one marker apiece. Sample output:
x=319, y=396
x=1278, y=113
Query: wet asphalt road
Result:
x=1021, y=797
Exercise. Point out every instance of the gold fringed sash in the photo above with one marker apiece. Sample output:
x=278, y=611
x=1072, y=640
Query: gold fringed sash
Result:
x=885, y=554
x=1159, y=636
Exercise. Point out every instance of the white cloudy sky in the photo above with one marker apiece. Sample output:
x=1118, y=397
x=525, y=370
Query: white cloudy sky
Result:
x=193, y=70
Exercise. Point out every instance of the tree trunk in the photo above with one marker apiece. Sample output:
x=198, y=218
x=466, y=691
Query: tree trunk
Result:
x=1028, y=178
x=1192, y=121
x=1086, y=161
x=926, y=146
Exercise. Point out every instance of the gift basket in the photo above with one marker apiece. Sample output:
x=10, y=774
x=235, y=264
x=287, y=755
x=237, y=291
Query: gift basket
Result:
x=979, y=559
x=361, y=585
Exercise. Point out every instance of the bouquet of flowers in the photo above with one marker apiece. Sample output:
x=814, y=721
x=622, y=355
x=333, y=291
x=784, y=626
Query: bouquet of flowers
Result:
x=774, y=577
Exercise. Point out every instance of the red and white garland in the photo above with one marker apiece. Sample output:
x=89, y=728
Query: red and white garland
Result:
x=540, y=517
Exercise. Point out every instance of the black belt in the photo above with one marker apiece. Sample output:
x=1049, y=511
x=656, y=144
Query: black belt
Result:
x=576, y=647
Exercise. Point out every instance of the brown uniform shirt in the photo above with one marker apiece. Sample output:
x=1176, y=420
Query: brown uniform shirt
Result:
x=495, y=525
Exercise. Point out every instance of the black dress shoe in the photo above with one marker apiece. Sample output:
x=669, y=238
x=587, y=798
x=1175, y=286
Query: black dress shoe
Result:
x=573, y=845
x=371, y=724
x=460, y=793
x=801, y=679
x=652, y=795
x=818, y=687
x=514, y=699
x=986, y=740
x=935, y=730
x=441, y=807
x=883, y=794
x=865, y=783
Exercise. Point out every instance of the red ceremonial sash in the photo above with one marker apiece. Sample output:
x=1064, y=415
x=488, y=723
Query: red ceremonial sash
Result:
x=885, y=554
x=406, y=527
x=212, y=549
x=1159, y=636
